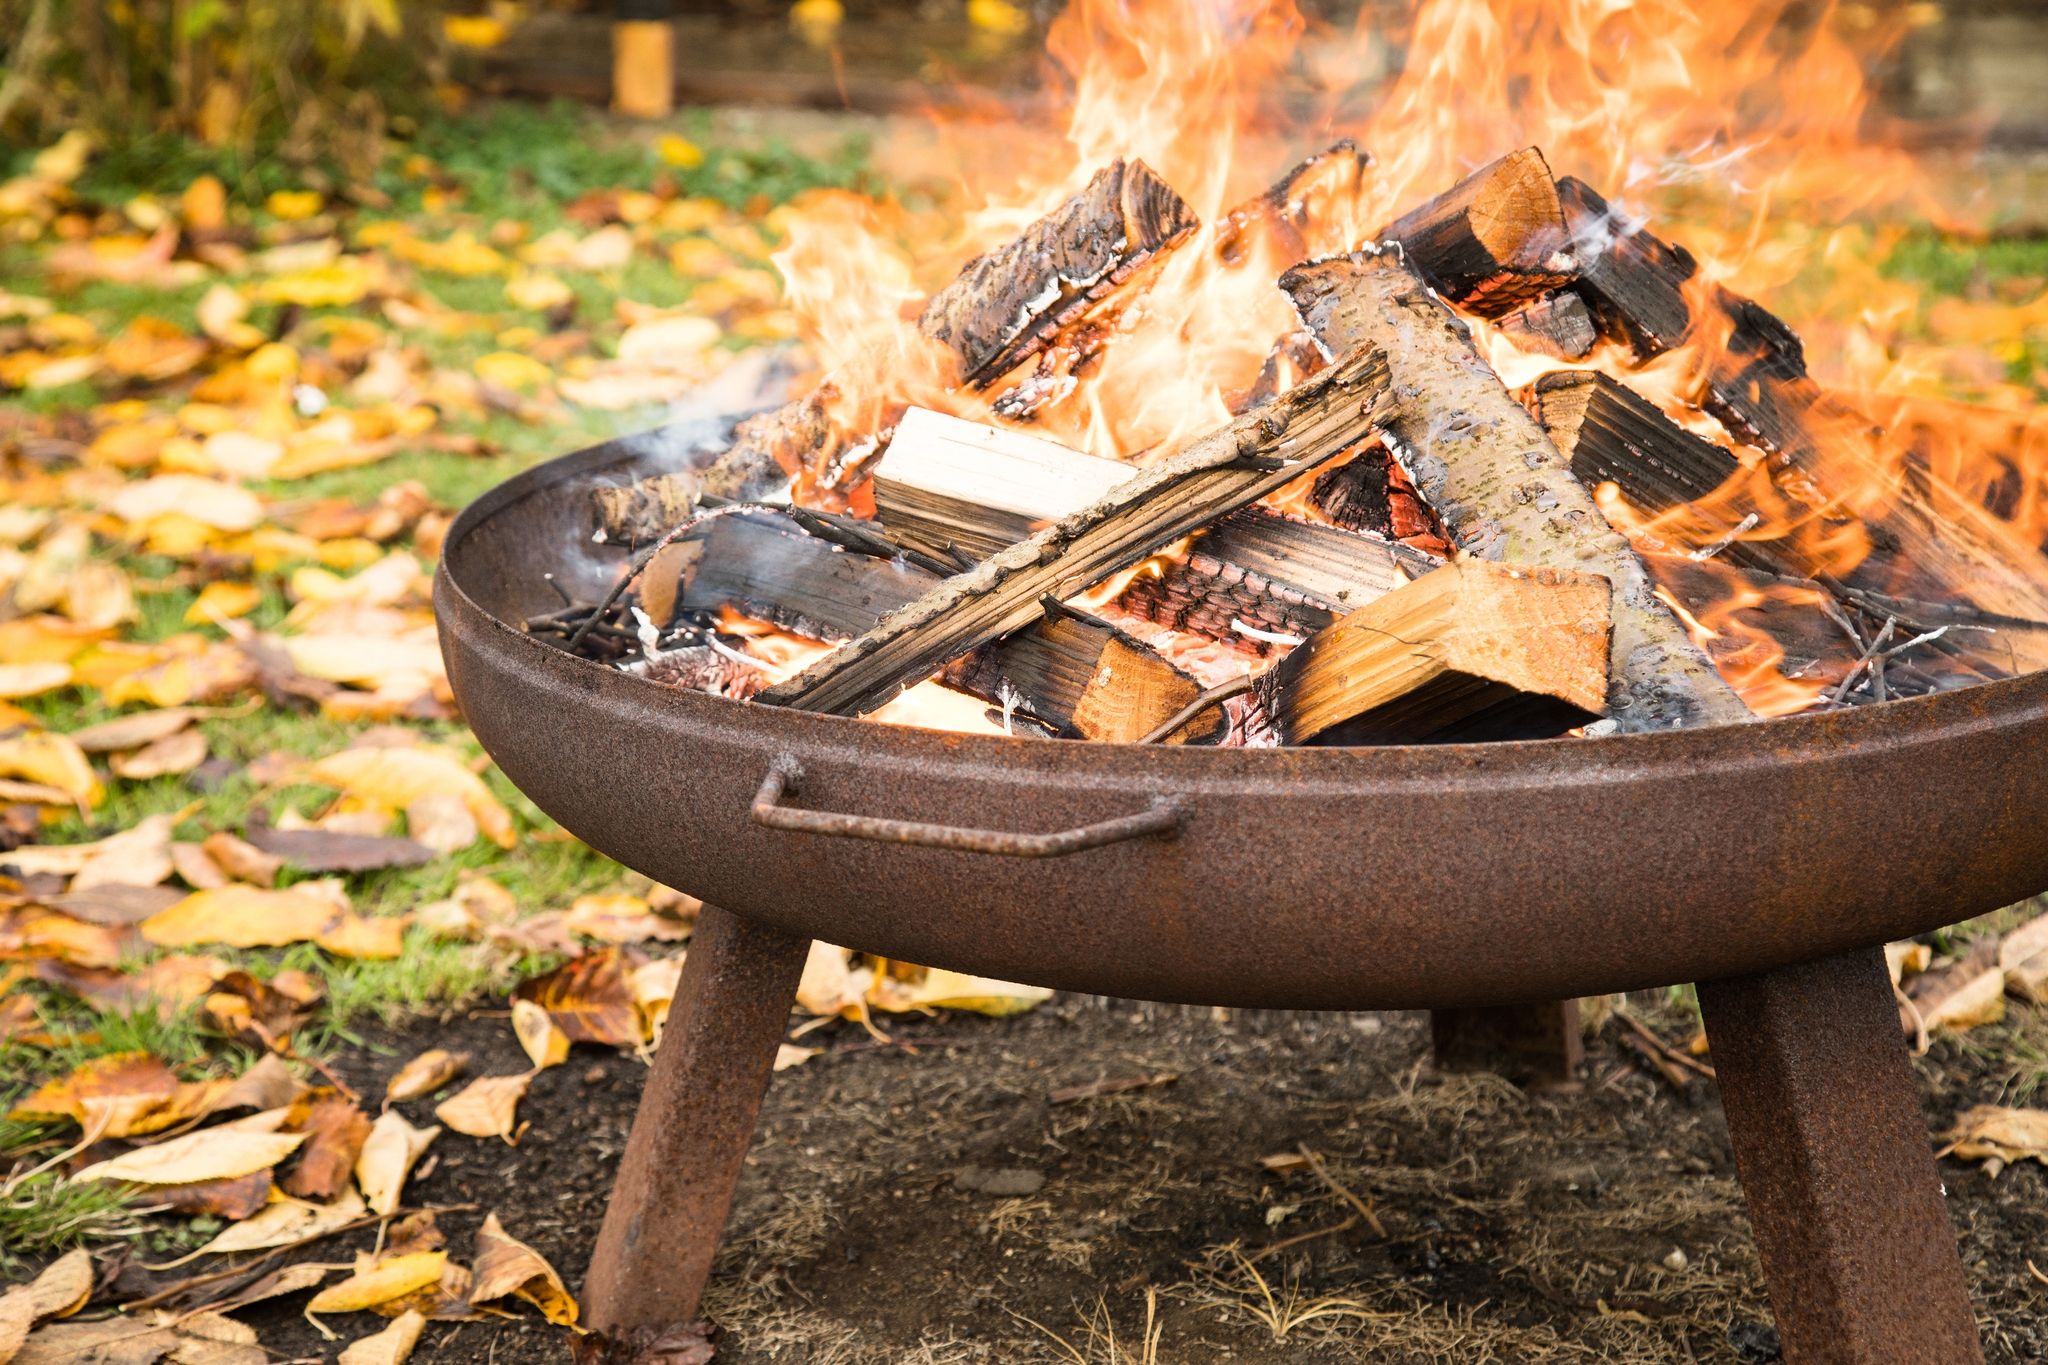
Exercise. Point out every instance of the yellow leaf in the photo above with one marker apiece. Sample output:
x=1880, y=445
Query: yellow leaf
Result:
x=473, y=30
x=680, y=152
x=211, y=1154
x=959, y=991
x=241, y=917
x=505, y=1265
x=179, y=753
x=293, y=205
x=395, y=778
x=425, y=1074
x=487, y=1107
x=393, y=1345
x=210, y=502
x=817, y=21
x=392, y=1278
x=204, y=204
x=538, y=1033
x=223, y=602
x=668, y=341
x=511, y=370
x=51, y=761
x=538, y=291
x=999, y=17
x=369, y=938
x=32, y=680
x=387, y=1159
x=61, y=161
x=286, y=1220
x=461, y=254
x=335, y=284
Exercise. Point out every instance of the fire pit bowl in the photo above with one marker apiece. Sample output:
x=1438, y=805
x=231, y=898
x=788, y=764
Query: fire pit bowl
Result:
x=1406, y=877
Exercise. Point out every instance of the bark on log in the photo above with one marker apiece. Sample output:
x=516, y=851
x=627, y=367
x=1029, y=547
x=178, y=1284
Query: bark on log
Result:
x=1493, y=241
x=1258, y=453
x=1476, y=650
x=1076, y=675
x=1558, y=324
x=1503, y=490
x=767, y=450
x=1006, y=305
x=1316, y=196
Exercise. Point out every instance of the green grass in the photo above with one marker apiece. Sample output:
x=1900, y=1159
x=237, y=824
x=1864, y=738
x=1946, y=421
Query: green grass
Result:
x=44, y=1214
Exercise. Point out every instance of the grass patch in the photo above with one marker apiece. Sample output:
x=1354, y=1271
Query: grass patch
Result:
x=43, y=1214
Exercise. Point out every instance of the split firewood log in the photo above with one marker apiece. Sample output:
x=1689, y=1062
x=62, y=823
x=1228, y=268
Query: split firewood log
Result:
x=1473, y=651
x=1493, y=241
x=1504, y=492
x=1077, y=676
x=1259, y=452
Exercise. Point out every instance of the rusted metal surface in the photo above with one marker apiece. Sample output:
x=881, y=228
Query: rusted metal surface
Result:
x=1404, y=877
x=1535, y=1045
x=1163, y=817
x=1834, y=1156
x=696, y=1120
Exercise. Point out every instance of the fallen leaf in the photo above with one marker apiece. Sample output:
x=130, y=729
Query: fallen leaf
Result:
x=487, y=1107
x=135, y=1078
x=505, y=1265
x=788, y=1055
x=262, y=1013
x=829, y=986
x=440, y=821
x=179, y=753
x=212, y=1154
x=189, y=1339
x=395, y=778
x=589, y=998
x=615, y=918
x=380, y=1282
x=387, y=1158
x=219, y=602
x=212, y=503
x=193, y=867
x=958, y=991
x=425, y=1074
x=241, y=917
x=116, y=906
x=1960, y=996
x=137, y=856
x=653, y=985
x=267, y=1084
x=232, y=1197
x=62, y=1288
x=52, y=761
x=134, y=731
x=242, y=860
x=370, y=938
x=687, y=1343
x=32, y=680
x=321, y=850
x=30, y=931
x=1996, y=1132
x=285, y=1222
x=544, y=1041
x=392, y=1346
x=335, y=1132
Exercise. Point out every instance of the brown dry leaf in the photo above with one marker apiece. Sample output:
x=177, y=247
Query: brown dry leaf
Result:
x=441, y=821
x=505, y=1265
x=392, y=1346
x=654, y=987
x=1988, y=1132
x=425, y=1074
x=335, y=1132
x=829, y=986
x=118, y=906
x=210, y=502
x=137, y=856
x=60, y=1290
x=30, y=931
x=788, y=1055
x=387, y=1159
x=232, y=1198
x=242, y=860
x=189, y=1339
x=395, y=778
x=212, y=1154
x=133, y=1078
x=136, y=730
x=168, y=984
x=323, y=850
x=487, y=1107
x=618, y=918
x=260, y=1012
x=543, y=1039
x=1960, y=996
x=589, y=998
x=391, y=1278
x=2024, y=957
x=180, y=753
x=267, y=1084
x=241, y=917
x=196, y=869
x=51, y=761
x=958, y=991
x=285, y=1222
x=368, y=938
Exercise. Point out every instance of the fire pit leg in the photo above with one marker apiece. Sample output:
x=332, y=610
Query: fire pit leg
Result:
x=1532, y=1045
x=695, y=1123
x=1857, y=1247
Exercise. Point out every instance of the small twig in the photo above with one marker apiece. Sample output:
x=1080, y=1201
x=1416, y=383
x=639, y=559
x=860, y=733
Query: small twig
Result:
x=1870, y=651
x=170, y=1292
x=1642, y=1030
x=1742, y=528
x=1336, y=1187
x=1275, y=1248
x=1919, y=1022
x=2036, y=1271
x=1221, y=692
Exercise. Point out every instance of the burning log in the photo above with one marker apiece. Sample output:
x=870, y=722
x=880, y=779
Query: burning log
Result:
x=1001, y=309
x=1072, y=673
x=1503, y=490
x=1558, y=324
x=1633, y=282
x=1005, y=306
x=951, y=487
x=1307, y=198
x=1256, y=454
x=1474, y=651
x=1493, y=241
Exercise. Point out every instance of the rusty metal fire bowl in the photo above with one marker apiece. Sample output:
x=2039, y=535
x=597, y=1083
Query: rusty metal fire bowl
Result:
x=1383, y=878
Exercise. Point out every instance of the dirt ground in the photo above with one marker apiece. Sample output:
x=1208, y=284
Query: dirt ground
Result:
x=1600, y=1225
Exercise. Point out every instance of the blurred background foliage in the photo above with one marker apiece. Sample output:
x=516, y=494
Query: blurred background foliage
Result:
x=304, y=80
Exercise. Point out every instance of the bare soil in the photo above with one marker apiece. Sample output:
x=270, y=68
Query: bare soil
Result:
x=1601, y=1225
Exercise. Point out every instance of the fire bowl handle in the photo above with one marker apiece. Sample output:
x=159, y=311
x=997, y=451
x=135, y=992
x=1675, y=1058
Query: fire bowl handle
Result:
x=1166, y=816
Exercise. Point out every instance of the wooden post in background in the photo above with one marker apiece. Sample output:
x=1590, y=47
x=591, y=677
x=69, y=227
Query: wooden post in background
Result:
x=643, y=59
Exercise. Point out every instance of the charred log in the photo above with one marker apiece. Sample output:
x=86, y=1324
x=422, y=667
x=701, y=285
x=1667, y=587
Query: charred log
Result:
x=1502, y=489
x=1558, y=324
x=1632, y=281
x=1476, y=650
x=1313, y=199
x=768, y=450
x=1235, y=467
x=1493, y=241
x=1006, y=305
